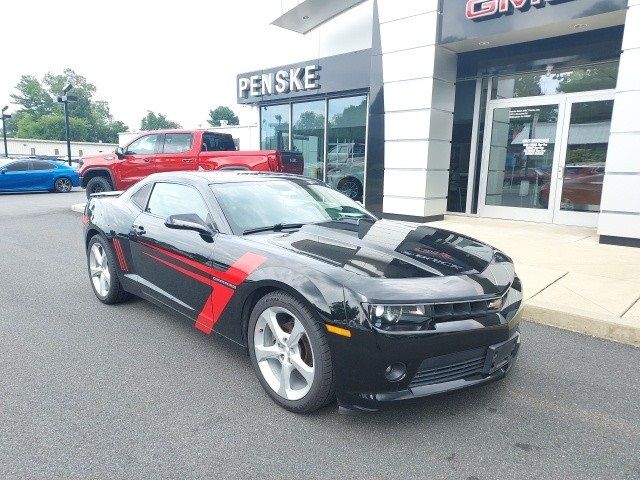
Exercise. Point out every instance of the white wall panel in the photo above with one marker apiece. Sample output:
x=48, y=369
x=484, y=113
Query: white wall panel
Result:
x=409, y=32
x=625, y=112
x=621, y=193
x=410, y=125
x=408, y=94
x=619, y=225
x=405, y=183
x=623, y=154
x=389, y=10
x=408, y=64
x=629, y=73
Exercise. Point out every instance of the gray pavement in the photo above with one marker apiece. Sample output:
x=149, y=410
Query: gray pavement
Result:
x=90, y=391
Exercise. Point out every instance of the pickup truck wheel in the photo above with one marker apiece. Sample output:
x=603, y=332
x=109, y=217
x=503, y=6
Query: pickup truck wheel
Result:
x=98, y=185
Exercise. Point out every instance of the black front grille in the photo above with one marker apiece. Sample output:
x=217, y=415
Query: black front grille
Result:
x=447, y=368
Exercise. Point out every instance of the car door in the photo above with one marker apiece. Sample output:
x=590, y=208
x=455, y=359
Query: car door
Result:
x=14, y=176
x=41, y=174
x=177, y=153
x=139, y=159
x=173, y=265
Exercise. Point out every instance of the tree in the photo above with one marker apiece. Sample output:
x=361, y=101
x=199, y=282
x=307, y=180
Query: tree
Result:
x=41, y=115
x=153, y=121
x=222, y=113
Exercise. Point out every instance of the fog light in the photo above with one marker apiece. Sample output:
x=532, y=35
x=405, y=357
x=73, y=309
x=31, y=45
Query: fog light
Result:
x=395, y=372
x=495, y=304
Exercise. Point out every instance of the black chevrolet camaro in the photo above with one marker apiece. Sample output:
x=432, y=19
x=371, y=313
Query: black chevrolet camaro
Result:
x=329, y=301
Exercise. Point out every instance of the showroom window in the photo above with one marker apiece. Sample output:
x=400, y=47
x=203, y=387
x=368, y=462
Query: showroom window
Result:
x=532, y=84
x=307, y=135
x=330, y=134
x=346, y=140
x=274, y=127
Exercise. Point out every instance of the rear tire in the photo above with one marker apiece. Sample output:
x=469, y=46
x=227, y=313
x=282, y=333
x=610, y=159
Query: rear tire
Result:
x=298, y=337
x=101, y=263
x=98, y=185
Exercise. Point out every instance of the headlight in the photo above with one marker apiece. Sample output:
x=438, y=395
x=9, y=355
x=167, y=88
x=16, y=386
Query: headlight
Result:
x=389, y=315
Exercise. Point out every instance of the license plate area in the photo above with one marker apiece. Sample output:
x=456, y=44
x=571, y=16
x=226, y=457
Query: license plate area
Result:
x=498, y=355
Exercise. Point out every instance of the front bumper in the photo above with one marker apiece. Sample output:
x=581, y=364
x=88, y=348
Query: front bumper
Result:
x=435, y=363
x=457, y=374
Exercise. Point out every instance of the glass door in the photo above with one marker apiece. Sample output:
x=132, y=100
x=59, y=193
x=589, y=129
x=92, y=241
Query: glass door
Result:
x=580, y=174
x=545, y=162
x=519, y=158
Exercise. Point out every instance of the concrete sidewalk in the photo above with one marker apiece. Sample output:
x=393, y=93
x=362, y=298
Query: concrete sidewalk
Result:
x=570, y=280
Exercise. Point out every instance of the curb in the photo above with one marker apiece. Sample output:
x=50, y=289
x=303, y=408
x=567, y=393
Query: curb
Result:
x=612, y=328
x=78, y=207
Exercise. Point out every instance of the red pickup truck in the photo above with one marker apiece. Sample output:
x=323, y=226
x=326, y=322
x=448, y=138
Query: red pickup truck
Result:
x=178, y=150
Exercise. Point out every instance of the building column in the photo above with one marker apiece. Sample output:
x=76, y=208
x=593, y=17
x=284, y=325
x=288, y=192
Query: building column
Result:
x=620, y=207
x=419, y=91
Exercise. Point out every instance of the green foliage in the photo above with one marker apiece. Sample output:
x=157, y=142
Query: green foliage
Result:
x=222, y=113
x=153, y=121
x=41, y=116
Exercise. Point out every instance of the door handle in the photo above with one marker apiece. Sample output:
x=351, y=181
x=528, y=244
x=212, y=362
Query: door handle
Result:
x=138, y=230
x=147, y=160
x=187, y=160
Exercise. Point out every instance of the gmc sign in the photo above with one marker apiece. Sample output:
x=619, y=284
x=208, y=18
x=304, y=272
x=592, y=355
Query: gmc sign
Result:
x=481, y=9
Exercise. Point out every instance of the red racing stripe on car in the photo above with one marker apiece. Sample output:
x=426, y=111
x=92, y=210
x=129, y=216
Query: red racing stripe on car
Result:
x=220, y=294
x=122, y=261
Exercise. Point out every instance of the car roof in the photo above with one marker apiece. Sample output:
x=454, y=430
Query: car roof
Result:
x=226, y=176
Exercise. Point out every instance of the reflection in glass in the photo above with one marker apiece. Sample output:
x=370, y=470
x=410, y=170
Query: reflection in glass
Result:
x=586, y=156
x=595, y=77
x=346, y=139
x=274, y=131
x=521, y=156
x=308, y=136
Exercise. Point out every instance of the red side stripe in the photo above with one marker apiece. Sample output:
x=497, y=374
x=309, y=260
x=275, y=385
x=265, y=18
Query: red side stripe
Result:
x=120, y=254
x=184, y=271
x=220, y=294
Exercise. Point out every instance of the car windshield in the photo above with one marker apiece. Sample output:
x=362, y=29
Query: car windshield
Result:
x=254, y=205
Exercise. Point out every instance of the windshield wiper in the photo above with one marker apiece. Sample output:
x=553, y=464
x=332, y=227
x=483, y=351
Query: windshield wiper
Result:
x=278, y=227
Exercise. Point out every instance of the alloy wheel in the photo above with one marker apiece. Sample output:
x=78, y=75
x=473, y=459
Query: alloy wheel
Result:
x=283, y=353
x=63, y=185
x=99, y=269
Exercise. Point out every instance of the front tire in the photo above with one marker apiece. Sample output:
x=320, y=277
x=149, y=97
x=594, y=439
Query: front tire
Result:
x=290, y=353
x=98, y=185
x=62, y=185
x=103, y=276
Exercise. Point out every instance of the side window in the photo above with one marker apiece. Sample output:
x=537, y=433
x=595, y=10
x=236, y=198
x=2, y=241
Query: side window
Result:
x=41, y=165
x=175, y=199
x=139, y=198
x=212, y=142
x=143, y=146
x=177, y=142
x=18, y=167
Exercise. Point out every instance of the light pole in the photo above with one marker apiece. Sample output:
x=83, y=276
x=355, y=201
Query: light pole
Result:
x=4, y=128
x=65, y=99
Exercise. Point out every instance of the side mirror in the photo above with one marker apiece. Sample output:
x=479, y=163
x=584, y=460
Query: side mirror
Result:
x=189, y=221
x=119, y=153
x=3, y=171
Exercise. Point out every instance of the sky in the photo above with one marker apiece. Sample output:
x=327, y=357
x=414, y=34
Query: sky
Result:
x=177, y=58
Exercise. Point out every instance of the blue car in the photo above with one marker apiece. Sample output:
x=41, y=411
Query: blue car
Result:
x=22, y=175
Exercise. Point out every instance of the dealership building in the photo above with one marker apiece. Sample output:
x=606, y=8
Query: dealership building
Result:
x=514, y=109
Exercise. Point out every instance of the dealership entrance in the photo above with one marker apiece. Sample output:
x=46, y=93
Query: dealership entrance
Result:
x=543, y=157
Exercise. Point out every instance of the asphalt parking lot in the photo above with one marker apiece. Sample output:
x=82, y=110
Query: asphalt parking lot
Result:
x=92, y=391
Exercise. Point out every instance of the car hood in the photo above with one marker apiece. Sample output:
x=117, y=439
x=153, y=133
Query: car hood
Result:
x=388, y=249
